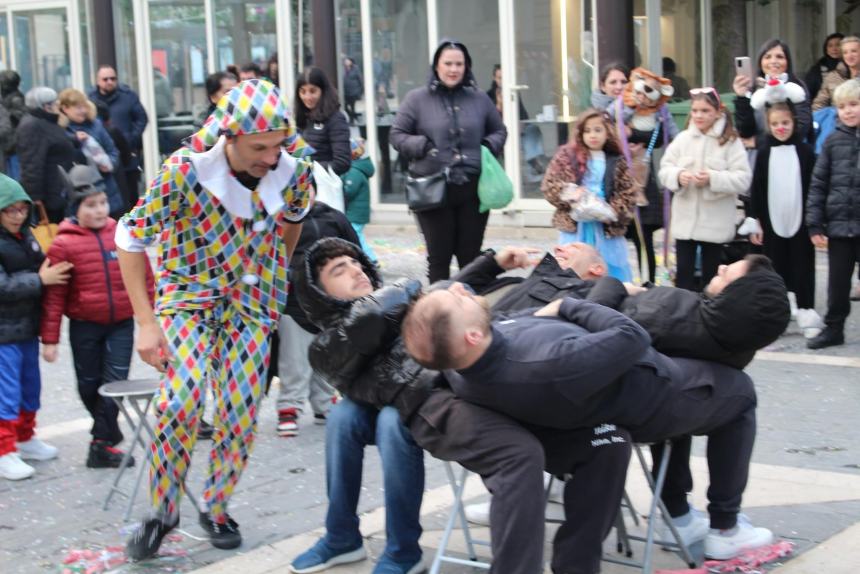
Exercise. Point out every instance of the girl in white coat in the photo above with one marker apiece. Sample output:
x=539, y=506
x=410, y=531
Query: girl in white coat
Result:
x=706, y=168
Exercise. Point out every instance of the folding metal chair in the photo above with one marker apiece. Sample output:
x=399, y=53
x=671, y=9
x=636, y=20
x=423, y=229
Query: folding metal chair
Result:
x=624, y=537
x=140, y=395
x=457, y=514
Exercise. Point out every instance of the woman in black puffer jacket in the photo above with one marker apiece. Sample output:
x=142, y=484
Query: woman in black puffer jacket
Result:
x=442, y=126
x=42, y=146
x=320, y=121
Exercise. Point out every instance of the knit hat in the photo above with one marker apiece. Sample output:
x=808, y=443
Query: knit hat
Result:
x=39, y=96
x=750, y=313
x=81, y=182
x=253, y=107
x=11, y=192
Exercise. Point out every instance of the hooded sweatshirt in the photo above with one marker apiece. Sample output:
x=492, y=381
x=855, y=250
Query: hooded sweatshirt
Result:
x=359, y=349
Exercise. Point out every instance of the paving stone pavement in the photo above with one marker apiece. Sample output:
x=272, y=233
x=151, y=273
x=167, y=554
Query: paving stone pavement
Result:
x=805, y=482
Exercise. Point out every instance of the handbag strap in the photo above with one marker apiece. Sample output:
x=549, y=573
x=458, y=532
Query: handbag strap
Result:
x=43, y=215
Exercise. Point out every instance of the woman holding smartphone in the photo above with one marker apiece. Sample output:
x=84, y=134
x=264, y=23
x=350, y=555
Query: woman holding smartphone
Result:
x=774, y=59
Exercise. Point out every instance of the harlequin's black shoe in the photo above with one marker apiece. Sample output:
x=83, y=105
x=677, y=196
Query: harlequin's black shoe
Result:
x=146, y=540
x=224, y=536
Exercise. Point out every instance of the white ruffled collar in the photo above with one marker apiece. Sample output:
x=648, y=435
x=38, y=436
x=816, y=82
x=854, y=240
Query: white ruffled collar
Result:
x=216, y=177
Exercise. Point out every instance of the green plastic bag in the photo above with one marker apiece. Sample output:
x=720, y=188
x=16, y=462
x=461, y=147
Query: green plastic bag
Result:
x=495, y=188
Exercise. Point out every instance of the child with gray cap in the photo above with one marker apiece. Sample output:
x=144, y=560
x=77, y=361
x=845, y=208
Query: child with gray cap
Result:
x=101, y=324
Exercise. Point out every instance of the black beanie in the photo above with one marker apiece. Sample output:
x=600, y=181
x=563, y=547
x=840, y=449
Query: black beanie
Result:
x=751, y=312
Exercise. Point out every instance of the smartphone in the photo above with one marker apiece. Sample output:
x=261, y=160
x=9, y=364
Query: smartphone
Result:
x=743, y=67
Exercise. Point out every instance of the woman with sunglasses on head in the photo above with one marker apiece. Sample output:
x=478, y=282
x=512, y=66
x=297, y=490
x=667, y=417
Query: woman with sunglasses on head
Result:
x=774, y=59
x=706, y=168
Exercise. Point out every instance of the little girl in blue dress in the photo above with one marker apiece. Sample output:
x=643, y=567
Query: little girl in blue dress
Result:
x=585, y=178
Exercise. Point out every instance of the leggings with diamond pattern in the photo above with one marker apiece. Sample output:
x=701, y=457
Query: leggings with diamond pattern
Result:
x=230, y=350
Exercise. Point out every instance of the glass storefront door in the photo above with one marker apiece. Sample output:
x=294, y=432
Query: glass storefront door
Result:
x=549, y=84
x=36, y=40
x=178, y=37
x=41, y=47
x=400, y=62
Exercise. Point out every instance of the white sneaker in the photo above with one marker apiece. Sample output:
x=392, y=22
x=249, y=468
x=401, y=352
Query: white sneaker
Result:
x=726, y=544
x=13, y=468
x=34, y=449
x=809, y=322
x=478, y=513
x=696, y=527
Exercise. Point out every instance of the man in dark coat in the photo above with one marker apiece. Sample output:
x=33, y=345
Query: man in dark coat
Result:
x=127, y=114
x=575, y=364
x=13, y=101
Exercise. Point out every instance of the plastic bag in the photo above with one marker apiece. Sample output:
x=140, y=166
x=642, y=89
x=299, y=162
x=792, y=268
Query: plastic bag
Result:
x=586, y=206
x=329, y=187
x=495, y=188
x=95, y=152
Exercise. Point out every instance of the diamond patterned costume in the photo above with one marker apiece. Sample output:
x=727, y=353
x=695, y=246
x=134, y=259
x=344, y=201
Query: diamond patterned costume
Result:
x=221, y=281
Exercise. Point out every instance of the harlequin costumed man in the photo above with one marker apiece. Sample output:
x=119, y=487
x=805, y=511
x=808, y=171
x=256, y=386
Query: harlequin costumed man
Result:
x=225, y=212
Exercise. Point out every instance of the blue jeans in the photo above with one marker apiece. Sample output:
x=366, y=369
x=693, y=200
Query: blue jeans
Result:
x=349, y=428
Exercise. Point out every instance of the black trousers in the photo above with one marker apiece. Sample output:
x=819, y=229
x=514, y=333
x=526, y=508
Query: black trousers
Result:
x=794, y=260
x=685, y=254
x=714, y=401
x=457, y=230
x=102, y=354
x=510, y=457
x=648, y=235
x=842, y=254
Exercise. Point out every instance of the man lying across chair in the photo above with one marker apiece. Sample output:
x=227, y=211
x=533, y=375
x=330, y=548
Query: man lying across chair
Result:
x=359, y=349
x=728, y=323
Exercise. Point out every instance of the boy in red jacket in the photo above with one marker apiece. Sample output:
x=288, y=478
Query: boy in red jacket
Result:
x=101, y=324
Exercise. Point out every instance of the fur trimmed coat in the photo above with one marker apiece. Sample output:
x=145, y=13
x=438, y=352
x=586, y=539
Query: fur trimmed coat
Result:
x=705, y=213
x=617, y=185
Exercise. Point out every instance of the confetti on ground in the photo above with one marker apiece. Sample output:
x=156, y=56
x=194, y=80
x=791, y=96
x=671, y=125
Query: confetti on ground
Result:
x=748, y=562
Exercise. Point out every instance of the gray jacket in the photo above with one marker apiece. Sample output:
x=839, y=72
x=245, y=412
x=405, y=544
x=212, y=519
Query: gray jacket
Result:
x=438, y=127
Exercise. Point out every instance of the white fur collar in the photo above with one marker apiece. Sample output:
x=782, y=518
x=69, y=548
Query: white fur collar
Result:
x=716, y=129
x=215, y=176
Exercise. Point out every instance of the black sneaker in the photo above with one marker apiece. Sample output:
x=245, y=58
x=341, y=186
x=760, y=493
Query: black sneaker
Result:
x=146, y=540
x=829, y=337
x=205, y=430
x=103, y=455
x=223, y=536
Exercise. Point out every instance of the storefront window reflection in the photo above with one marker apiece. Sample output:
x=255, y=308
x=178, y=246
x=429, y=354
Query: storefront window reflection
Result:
x=179, y=68
x=681, y=45
x=42, y=48
x=400, y=63
x=126, y=54
x=245, y=32
x=740, y=32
